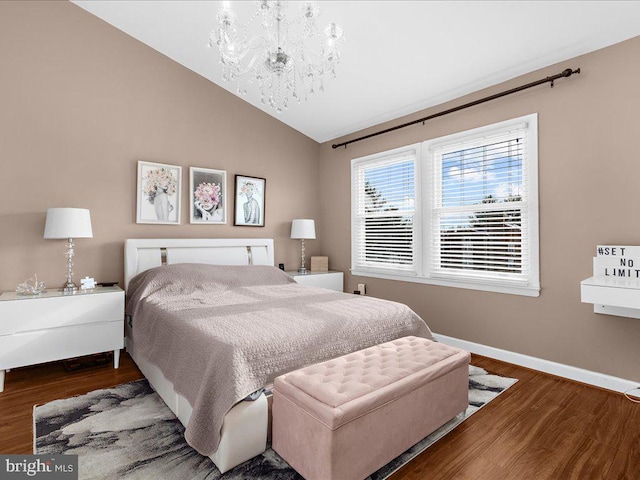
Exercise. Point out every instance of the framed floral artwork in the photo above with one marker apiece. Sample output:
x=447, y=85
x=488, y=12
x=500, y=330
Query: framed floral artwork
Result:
x=249, y=201
x=208, y=196
x=158, y=193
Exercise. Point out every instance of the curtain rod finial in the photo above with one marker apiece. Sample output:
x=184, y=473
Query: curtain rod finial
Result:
x=568, y=72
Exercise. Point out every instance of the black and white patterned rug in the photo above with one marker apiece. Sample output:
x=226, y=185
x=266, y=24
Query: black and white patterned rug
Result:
x=128, y=432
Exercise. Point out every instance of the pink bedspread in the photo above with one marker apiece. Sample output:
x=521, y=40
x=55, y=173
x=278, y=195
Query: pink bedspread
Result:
x=221, y=332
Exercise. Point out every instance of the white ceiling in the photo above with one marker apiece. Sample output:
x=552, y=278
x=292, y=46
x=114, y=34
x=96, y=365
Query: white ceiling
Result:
x=399, y=56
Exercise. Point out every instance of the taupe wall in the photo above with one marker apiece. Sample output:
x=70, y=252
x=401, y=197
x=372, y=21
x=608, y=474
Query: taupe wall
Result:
x=589, y=172
x=82, y=102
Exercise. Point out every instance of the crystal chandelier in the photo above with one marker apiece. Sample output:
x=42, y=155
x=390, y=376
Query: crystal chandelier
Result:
x=288, y=60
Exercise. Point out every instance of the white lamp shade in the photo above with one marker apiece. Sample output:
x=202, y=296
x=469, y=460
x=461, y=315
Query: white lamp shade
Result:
x=68, y=223
x=303, y=228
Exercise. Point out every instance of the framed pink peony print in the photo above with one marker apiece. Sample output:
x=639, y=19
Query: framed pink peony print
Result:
x=207, y=196
x=158, y=193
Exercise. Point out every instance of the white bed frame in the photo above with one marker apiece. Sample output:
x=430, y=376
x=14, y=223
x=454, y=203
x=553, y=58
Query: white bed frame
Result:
x=245, y=427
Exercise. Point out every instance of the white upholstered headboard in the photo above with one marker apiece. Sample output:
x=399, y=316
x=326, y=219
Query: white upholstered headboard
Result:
x=143, y=254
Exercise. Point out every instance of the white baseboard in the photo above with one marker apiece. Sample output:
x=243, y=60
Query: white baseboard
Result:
x=601, y=380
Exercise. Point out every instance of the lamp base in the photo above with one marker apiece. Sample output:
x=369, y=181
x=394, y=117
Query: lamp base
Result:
x=302, y=270
x=70, y=287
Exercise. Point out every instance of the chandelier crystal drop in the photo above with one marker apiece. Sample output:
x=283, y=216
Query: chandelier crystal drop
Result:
x=288, y=60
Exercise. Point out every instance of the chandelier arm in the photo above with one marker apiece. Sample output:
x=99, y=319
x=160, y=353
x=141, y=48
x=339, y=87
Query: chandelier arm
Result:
x=251, y=63
x=246, y=50
x=256, y=42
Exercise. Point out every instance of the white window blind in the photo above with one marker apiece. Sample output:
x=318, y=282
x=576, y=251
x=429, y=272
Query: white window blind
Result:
x=383, y=214
x=479, y=221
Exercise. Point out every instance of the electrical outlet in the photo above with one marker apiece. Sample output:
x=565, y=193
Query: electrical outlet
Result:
x=362, y=288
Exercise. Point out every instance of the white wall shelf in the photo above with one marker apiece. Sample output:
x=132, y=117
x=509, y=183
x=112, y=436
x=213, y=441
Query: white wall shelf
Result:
x=614, y=288
x=612, y=296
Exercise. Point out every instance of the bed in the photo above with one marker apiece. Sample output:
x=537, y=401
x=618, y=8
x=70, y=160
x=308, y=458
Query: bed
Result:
x=209, y=334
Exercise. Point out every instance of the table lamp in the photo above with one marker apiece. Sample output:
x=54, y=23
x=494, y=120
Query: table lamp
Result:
x=303, y=229
x=68, y=223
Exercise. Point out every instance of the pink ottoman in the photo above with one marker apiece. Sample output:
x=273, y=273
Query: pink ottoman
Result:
x=347, y=417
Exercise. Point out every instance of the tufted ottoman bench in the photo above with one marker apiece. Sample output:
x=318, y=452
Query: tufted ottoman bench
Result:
x=347, y=417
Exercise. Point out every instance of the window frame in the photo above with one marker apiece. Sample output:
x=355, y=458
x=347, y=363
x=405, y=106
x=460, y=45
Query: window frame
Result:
x=423, y=233
x=417, y=213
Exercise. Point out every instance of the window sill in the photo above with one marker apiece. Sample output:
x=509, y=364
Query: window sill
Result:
x=526, y=291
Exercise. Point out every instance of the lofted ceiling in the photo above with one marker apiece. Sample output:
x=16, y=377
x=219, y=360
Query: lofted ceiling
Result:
x=399, y=56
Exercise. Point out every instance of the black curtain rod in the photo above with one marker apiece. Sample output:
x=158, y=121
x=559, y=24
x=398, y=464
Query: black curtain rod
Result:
x=566, y=73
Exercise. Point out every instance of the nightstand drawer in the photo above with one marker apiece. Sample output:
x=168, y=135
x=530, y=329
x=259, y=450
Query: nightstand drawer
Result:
x=45, y=313
x=58, y=343
x=330, y=280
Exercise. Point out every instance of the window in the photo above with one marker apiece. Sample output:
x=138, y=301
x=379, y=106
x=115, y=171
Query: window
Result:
x=384, y=200
x=460, y=210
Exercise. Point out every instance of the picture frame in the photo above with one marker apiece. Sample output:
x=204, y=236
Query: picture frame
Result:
x=207, y=196
x=158, y=193
x=249, y=194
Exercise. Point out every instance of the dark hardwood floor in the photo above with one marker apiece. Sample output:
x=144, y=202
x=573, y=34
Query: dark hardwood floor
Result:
x=543, y=427
x=29, y=386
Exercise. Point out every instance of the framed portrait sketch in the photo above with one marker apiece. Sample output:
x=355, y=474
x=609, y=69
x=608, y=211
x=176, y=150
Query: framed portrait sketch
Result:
x=158, y=193
x=249, y=201
x=208, y=196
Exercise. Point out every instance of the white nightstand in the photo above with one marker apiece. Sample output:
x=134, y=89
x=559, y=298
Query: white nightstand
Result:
x=330, y=280
x=54, y=326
